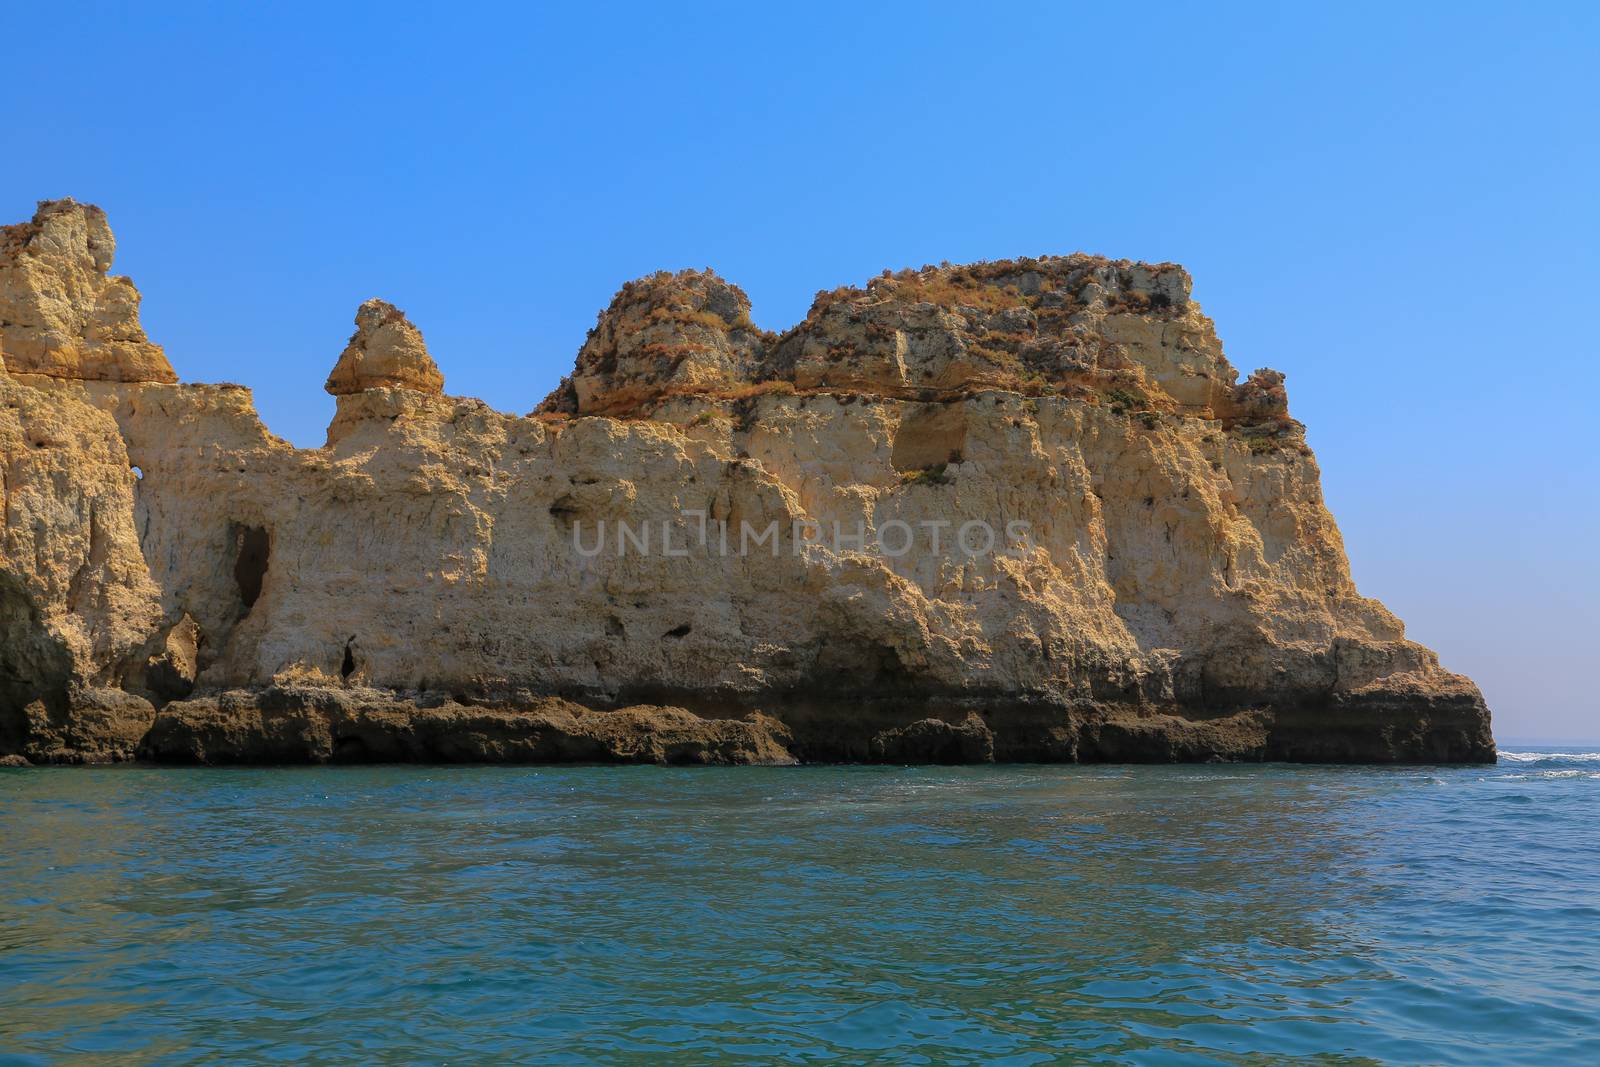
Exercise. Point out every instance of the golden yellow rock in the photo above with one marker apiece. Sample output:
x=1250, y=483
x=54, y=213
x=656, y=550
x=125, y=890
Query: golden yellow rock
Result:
x=1019, y=510
x=386, y=351
x=61, y=314
x=665, y=334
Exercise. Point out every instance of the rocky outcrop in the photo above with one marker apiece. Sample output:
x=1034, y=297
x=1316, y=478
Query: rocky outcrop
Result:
x=77, y=602
x=1012, y=511
x=936, y=741
x=684, y=333
x=385, y=352
x=1071, y=325
x=320, y=725
x=61, y=313
x=91, y=725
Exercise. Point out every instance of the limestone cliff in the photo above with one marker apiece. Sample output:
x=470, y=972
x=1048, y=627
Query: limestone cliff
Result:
x=385, y=350
x=61, y=314
x=1019, y=510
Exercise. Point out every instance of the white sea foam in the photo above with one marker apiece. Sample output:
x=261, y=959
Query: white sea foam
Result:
x=1545, y=776
x=1549, y=757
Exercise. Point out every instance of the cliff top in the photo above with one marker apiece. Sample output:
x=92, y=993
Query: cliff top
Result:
x=61, y=313
x=1108, y=331
x=386, y=351
x=1114, y=332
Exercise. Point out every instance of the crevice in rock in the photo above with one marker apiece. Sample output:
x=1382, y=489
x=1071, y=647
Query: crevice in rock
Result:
x=81, y=584
x=566, y=511
x=678, y=631
x=253, y=548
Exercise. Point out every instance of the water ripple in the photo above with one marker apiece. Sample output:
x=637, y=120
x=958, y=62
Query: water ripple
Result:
x=1241, y=915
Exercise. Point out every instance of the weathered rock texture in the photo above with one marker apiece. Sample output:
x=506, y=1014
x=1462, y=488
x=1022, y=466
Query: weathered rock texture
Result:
x=386, y=350
x=321, y=725
x=61, y=314
x=443, y=581
x=684, y=333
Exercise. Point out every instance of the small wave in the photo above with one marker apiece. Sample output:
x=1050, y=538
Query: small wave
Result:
x=1546, y=775
x=1549, y=757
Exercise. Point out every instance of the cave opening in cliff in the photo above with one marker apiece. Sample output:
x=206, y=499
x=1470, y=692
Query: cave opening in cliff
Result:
x=348, y=667
x=929, y=437
x=253, y=547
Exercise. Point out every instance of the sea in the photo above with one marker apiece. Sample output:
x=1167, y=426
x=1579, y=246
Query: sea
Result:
x=1220, y=914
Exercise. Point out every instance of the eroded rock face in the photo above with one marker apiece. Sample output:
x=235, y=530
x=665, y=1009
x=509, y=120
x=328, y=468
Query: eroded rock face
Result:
x=936, y=741
x=76, y=597
x=1078, y=324
x=93, y=725
x=385, y=352
x=667, y=334
x=1163, y=582
x=61, y=313
x=320, y=725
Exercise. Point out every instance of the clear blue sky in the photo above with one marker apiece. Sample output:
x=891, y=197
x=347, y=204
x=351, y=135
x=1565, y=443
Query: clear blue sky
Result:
x=1394, y=204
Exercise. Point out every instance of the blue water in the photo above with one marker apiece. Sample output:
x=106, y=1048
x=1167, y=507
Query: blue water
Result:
x=1231, y=915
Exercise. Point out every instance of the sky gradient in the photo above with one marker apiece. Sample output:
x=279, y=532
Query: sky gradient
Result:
x=1395, y=207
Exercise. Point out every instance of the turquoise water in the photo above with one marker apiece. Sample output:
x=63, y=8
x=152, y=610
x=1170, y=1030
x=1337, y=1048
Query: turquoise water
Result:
x=1234, y=915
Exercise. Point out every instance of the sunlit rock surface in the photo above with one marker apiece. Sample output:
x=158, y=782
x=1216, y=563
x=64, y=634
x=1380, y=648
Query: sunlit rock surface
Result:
x=1161, y=579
